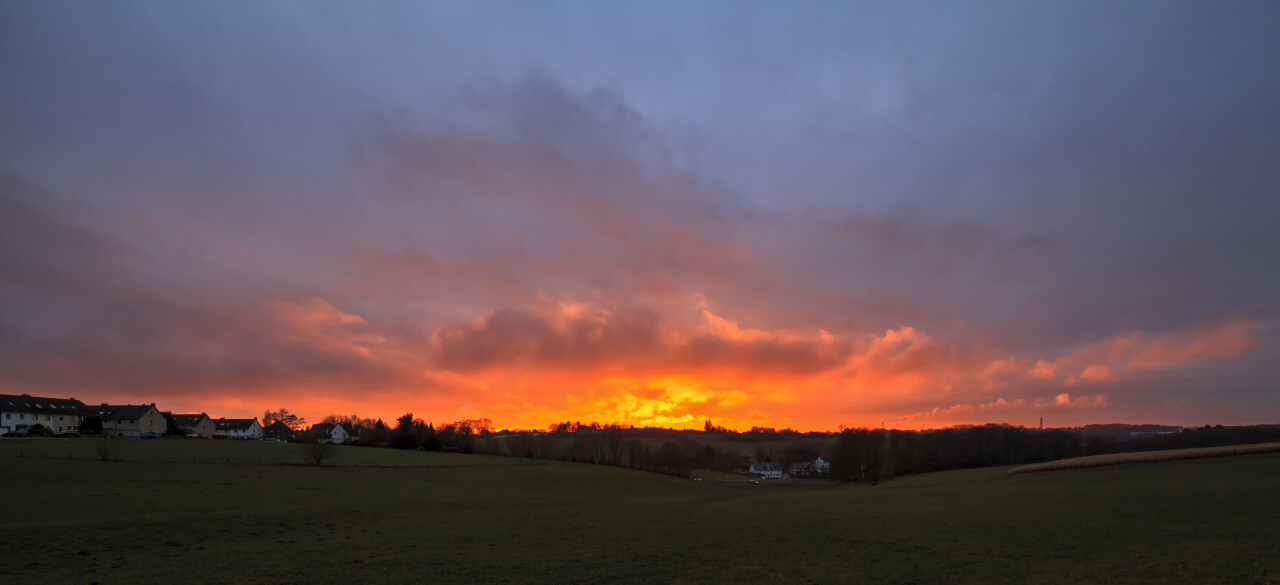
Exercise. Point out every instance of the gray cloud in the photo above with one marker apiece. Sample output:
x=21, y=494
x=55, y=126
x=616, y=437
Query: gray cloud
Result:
x=1023, y=177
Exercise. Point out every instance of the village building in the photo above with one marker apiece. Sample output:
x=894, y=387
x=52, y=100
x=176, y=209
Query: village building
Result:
x=200, y=425
x=19, y=413
x=237, y=428
x=278, y=431
x=332, y=433
x=130, y=420
x=767, y=469
x=802, y=469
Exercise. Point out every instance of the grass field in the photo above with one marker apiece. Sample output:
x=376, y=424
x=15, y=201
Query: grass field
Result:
x=1147, y=457
x=170, y=515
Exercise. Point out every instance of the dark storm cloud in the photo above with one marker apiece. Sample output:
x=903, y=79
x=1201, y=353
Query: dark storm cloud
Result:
x=631, y=341
x=573, y=193
x=90, y=311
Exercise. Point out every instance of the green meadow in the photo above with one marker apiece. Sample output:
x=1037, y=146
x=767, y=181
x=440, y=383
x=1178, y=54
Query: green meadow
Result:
x=248, y=512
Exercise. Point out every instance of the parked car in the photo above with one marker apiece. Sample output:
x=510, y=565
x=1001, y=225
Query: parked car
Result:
x=147, y=435
x=68, y=434
x=14, y=434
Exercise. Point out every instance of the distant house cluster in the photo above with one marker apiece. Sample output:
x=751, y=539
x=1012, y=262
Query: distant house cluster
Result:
x=24, y=415
x=769, y=470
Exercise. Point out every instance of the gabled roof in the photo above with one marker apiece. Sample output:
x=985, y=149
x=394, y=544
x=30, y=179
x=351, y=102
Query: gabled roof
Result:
x=234, y=424
x=122, y=411
x=41, y=405
x=327, y=428
x=188, y=420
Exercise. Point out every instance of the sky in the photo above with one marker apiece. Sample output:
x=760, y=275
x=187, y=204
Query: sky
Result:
x=780, y=214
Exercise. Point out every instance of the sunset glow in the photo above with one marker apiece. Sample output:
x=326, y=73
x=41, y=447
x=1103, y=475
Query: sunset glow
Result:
x=845, y=228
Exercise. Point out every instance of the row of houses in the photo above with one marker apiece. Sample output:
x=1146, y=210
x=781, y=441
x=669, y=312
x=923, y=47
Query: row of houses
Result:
x=24, y=413
x=21, y=414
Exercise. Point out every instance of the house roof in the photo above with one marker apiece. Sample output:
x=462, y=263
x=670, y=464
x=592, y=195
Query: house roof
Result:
x=42, y=405
x=327, y=428
x=234, y=424
x=122, y=411
x=188, y=420
x=767, y=466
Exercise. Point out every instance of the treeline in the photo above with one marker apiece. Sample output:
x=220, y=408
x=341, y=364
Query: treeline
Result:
x=1198, y=437
x=874, y=455
x=409, y=432
x=658, y=450
x=855, y=455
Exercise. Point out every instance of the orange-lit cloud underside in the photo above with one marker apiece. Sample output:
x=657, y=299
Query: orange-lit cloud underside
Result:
x=565, y=360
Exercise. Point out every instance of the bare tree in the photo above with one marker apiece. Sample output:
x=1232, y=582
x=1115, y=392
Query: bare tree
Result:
x=283, y=415
x=106, y=446
x=316, y=453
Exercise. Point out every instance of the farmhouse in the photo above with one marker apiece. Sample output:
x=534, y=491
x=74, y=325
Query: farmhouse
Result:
x=768, y=470
x=237, y=428
x=817, y=467
x=130, y=420
x=194, y=424
x=18, y=413
x=331, y=433
x=278, y=431
x=802, y=469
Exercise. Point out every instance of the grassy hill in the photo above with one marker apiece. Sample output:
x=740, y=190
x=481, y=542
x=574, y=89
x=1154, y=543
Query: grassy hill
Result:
x=170, y=514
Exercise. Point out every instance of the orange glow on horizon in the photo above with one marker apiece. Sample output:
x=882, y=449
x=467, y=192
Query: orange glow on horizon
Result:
x=578, y=362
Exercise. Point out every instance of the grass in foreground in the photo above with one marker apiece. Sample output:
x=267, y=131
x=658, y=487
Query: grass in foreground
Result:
x=84, y=521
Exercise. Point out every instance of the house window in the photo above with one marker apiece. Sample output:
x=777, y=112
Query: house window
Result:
x=46, y=417
x=8, y=415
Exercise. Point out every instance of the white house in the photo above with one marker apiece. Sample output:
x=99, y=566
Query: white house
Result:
x=18, y=413
x=822, y=466
x=331, y=433
x=237, y=428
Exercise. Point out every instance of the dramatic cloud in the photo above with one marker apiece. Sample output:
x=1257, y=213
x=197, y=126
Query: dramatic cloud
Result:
x=811, y=216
